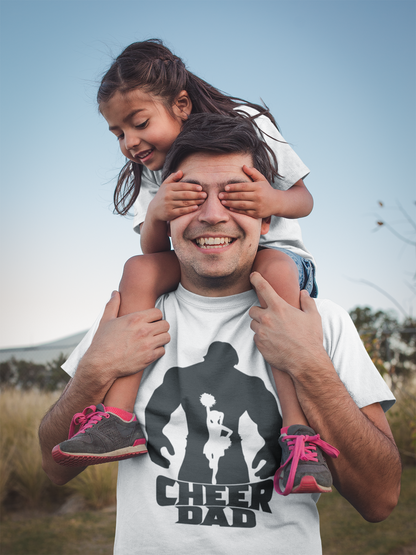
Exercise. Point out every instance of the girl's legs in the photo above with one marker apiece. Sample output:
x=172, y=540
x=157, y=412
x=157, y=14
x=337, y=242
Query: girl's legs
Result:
x=144, y=279
x=303, y=471
x=281, y=272
x=99, y=439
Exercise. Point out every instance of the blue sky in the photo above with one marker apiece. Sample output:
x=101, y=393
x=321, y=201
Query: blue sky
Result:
x=339, y=77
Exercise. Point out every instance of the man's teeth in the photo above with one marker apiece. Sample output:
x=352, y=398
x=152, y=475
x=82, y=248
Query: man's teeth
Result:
x=213, y=242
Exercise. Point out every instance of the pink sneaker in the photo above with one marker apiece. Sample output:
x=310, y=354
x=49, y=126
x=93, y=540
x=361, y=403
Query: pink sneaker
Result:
x=106, y=434
x=303, y=469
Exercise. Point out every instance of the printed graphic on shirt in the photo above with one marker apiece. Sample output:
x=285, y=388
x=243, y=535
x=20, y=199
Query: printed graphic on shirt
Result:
x=218, y=435
x=230, y=427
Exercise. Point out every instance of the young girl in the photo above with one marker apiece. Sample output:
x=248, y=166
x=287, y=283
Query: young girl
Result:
x=146, y=96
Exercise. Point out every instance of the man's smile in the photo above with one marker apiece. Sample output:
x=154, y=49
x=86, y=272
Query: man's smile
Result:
x=215, y=246
x=213, y=242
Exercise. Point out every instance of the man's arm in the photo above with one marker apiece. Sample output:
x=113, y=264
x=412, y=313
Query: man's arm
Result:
x=120, y=347
x=367, y=472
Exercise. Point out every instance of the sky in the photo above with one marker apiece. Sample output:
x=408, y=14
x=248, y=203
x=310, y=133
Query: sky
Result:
x=339, y=77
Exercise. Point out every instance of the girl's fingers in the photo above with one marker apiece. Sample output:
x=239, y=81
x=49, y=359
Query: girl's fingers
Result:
x=237, y=187
x=174, y=177
x=191, y=192
x=187, y=195
x=182, y=186
x=254, y=174
x=184, y=203
x=238, y=204
x=244, y=212
x=174, y=183
x=182, y=211
x=239, y=195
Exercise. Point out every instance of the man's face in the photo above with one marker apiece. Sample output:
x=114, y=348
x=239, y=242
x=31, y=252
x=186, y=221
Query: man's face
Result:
x=215, y=247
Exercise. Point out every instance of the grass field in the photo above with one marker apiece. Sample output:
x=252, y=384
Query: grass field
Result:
x=30, y=524
x=343, y=530
x=86, y=532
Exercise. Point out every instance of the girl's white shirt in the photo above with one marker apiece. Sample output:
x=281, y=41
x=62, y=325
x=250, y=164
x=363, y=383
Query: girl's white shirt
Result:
x=284, y=233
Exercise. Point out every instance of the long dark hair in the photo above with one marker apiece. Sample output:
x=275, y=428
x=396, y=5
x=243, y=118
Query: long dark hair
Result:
x=152, y=67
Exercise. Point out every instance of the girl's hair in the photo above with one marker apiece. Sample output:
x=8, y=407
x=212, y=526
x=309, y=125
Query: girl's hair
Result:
x=153, y=68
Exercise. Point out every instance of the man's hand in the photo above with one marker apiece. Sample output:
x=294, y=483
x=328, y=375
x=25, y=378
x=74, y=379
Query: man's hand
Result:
x=256, y=199
x=285, y=336
x=292, y=340
x=176, y=198
x=125, y=345
x=121, y=346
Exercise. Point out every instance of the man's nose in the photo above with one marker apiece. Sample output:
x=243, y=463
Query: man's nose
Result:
x=212, y=211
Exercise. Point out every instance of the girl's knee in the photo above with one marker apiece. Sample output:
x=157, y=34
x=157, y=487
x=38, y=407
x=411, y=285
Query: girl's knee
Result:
x=133, y=269
x=157, y=273
x=276, y=265
x=139, y=270
x=281, y=272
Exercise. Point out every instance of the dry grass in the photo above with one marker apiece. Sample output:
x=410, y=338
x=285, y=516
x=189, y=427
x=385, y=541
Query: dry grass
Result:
x=20, y=458
x=6, y=457
x=97, y=485
x=343, y=530
x=402, y=420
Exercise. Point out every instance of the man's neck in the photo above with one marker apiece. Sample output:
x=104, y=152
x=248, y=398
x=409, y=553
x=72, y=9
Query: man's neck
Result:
x=217, y=287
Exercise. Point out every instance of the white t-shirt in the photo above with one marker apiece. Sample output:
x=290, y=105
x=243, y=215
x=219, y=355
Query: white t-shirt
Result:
x=284, y=233
x=211, y=414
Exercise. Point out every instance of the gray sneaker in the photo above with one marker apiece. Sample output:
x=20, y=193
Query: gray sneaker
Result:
x=303, y=468
x=104, y=436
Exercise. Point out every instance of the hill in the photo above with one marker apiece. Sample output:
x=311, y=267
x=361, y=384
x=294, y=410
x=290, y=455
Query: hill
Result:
x=45, y=352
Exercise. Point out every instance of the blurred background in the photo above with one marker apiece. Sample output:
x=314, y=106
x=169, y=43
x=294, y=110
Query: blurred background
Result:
x=339, y=77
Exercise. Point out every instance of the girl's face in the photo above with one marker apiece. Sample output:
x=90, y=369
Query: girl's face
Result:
x=143, y=125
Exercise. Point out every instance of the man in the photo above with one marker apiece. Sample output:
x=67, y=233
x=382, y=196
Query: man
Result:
x=209, y=407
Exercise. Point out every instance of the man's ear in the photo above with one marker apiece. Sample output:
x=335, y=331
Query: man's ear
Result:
x=182, y=105
x=265, y=225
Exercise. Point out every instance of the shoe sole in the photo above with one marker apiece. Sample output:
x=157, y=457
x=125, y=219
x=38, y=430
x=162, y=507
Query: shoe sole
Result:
x=308, y=484
x=82, y=459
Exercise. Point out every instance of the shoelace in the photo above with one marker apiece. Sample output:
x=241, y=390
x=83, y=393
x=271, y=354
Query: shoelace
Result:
x=86, y=420
x=301, y=448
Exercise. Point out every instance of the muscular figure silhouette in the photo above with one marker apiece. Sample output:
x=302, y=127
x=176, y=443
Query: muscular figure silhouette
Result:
x=235, y=393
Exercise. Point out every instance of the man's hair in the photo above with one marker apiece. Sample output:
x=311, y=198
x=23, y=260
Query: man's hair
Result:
x=219, y=134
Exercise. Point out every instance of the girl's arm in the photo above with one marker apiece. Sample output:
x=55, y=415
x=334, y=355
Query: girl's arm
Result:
x=258, y=199
x=174, y=198
x=154, y=236
x=120, y=347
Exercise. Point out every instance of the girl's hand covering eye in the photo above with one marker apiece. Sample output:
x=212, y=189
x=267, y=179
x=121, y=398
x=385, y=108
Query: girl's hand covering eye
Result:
x=256, y=199
x=176, y=198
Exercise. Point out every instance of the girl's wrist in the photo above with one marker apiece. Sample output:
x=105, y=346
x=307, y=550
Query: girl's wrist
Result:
x=277, y=204
x=152, y=219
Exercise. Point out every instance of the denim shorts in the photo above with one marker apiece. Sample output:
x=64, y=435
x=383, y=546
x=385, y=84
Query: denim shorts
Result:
x=306, y=271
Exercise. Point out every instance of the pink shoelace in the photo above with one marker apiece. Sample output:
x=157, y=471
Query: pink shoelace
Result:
x=86, y=419
x=302, y=448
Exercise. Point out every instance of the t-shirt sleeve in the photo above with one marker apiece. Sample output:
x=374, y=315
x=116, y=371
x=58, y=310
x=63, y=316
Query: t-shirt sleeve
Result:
x=289, y=165
x=150, y=183
x=350, y=359
x=71, y=364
